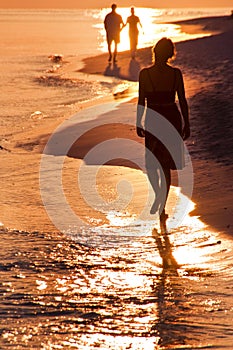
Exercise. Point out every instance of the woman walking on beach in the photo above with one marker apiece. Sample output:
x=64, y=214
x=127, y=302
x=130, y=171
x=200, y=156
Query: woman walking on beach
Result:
x=164, y=124
x=133, y=22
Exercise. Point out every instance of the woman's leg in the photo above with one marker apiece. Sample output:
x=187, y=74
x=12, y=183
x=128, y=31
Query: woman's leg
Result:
x=133, y=44
x=163, y=216
x=154, y=178
x=167, y=184
x=160, y=180
x=158, y=173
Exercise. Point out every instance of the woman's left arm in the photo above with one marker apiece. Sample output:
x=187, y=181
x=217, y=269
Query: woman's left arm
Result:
x=140, y=106
x=183, y=104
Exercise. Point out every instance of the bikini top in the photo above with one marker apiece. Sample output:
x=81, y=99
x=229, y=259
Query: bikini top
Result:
x=161, y=98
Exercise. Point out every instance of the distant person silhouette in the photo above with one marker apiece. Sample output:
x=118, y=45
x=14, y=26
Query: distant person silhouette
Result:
x=164, y=124
x=133, y=22
x=113, y=24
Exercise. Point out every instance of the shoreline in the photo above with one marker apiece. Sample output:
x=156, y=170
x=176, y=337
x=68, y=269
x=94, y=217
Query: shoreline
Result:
x=114, y=281
x=218, y=215
x=214, y=214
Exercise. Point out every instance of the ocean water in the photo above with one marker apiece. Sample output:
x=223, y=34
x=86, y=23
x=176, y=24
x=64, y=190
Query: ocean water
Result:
x=32, y=82
x=129, y=291
x=142, y=293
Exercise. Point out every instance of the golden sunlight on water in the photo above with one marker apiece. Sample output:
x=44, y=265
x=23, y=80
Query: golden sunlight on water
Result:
x=121, y=285
x=151, y=31
x=150, y=292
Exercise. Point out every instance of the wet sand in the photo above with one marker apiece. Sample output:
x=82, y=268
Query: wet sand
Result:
x=120, y=291
x=207, y=67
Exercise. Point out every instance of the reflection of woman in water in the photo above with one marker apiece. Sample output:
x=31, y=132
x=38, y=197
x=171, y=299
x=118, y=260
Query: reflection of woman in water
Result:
x=158, y=86
x=133, y=22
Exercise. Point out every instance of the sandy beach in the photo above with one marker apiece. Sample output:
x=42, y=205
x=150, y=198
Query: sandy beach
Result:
x=82, y=265
x=207, y=67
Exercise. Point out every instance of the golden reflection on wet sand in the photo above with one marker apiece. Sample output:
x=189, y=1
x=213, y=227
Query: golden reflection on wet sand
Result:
x=157, y=291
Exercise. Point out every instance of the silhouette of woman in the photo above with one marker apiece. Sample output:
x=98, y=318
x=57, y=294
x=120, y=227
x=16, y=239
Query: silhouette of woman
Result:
x=164, y=124
x=133, y=22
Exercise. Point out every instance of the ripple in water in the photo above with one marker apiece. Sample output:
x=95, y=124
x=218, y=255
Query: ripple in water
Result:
x=148, y=292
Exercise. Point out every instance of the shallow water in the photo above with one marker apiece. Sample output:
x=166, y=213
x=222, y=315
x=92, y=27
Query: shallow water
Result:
x=126, y=292
x=149, y=292
x=32, y=82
